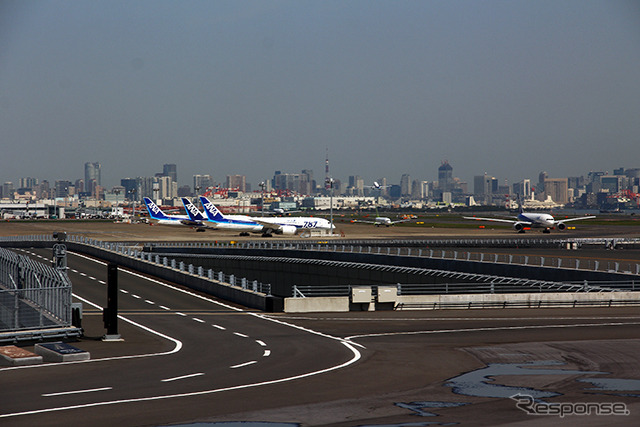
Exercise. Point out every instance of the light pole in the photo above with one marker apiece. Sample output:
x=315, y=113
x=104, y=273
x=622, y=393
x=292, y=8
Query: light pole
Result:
x=131, y=195
x=116, y=214
x=330, y=182
x=262, y=185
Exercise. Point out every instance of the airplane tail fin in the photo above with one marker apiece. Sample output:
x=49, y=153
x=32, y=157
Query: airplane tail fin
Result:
x=210, y=210
x=192, y=210
x=154, y=211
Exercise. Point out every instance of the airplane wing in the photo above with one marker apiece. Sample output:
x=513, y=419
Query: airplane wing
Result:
x=508, y=221
x=268, y=225
x=575, y=219
x=400, y=220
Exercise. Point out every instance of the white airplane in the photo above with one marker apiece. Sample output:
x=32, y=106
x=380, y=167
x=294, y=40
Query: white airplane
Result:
x=383, y=220
x=265, y=225
x=533, y=220
x=163, y=219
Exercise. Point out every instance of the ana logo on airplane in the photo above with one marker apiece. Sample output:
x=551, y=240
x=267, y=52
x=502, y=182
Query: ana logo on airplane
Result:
x=155, y=209
x=211, y=208
x=192, y=209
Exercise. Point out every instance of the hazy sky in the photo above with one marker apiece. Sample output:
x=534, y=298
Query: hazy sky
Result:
x=506, y=87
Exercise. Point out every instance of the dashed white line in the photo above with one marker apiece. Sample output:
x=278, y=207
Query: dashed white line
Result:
x=124, y=291
x=262, y=343
x=182, y=377
x=62, y=393
x=267, y=353
x=102, y=282
x=242, y=365
x=198, y=320
x=149, y=302
x=164, y=308
x=222, y=328
x=181, y=314
x=241, y=335
x=92, y=278
x=136, y=296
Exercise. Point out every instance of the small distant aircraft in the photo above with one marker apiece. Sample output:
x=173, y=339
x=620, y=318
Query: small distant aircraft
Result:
x=280, y=211
x=383, y=220
x=533, y=220
x=376, y=186
x=163, y=219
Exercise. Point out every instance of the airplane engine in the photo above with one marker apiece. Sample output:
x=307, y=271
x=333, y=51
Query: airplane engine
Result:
x=519, y=227
x=561, y=226
x=287, y=230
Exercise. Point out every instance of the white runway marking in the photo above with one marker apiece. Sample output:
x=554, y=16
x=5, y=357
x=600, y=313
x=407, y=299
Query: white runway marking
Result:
x=503, y=328
x=262, y=343
x=182, y=377
x=222, y=328
x=242, y=365
x=241, y=335
x=62, y=393
x=267, y=353
x=198, y=320
x=356, y=355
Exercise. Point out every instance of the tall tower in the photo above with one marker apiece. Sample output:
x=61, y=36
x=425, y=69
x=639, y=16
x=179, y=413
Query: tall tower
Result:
x=91, y=176
x=445, y=176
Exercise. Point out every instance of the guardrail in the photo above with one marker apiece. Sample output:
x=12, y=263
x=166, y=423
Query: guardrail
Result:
x=437, y=249
x=252, y=293
x=497, y=285
x=34, y=299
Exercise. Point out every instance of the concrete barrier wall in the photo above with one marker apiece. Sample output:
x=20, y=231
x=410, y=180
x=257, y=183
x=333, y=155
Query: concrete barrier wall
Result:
x=466, y=301
x=561, y=299
x=319, y=305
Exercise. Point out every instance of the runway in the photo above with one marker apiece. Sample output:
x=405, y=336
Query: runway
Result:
x=186, y=358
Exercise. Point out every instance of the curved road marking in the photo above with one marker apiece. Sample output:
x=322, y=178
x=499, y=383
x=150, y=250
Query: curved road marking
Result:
x=354, y=359
x=356, y=356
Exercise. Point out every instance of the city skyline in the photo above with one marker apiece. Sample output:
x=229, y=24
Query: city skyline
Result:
x=394, y=87
x=445, y=175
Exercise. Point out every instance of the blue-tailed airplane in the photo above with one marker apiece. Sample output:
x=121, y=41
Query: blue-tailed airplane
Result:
x=163, y=219
x=526, y=220
x=264, y=225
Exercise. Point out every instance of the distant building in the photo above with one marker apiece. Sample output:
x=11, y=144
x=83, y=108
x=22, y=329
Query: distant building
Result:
x=170, y=170
x=523, y=188
x=237, y=182
x=92, y=177
x=557, y=189
x=445, y=176
x=405, y=185
x=201, y=183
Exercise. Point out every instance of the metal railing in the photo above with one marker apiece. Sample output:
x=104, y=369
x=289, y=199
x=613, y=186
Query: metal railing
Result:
x=33, y=295
x=445, y=249
x=492, y=285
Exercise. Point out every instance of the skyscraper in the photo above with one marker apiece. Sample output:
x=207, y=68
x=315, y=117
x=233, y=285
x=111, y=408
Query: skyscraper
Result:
x=170, y=170
x=445, y=176
x=92, y=178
